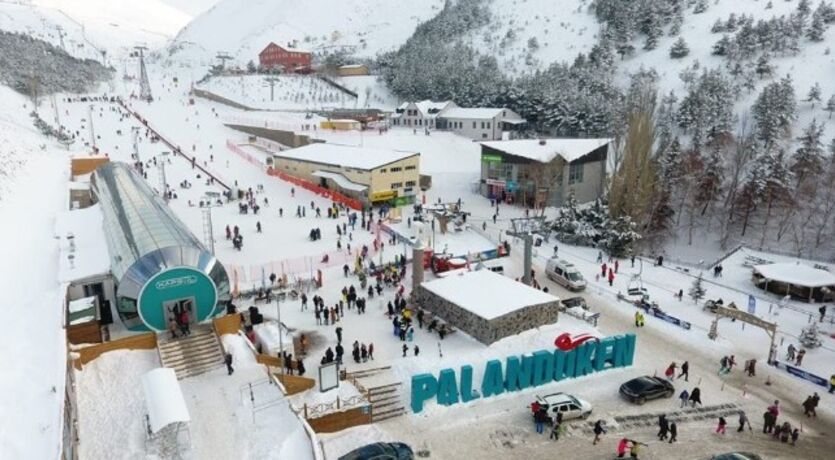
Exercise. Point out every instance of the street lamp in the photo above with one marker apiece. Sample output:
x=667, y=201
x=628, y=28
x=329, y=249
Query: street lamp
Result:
x=163, y=182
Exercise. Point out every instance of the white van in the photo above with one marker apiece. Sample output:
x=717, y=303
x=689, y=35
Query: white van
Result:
x=565, y=274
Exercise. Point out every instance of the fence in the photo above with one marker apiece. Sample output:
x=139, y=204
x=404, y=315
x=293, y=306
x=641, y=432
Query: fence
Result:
x=337, y=197
x=244, y=155
x=175, y=149
x=307, y=125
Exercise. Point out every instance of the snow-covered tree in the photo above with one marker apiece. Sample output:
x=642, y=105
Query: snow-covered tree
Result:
x=707, y=109
x=697, y=290
x=651, y=27
x=709, y=181
x=533, y=44
x=816, y=28
x=679, y=49
x=775, y=110
x=722, y=47
x=701, y=7
x=830, y=105
x=814, y=94
x=826, y=11
x=808, y=159
x=763, y=68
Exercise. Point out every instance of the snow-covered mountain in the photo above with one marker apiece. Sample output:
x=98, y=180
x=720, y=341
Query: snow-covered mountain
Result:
x=243, y=27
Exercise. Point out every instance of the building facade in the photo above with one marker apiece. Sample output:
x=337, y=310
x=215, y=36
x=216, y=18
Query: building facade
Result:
x=543, y=172
x=370, y=175
x=419, y=115
x=480, y=123
x=352, y=70
x=288, y=58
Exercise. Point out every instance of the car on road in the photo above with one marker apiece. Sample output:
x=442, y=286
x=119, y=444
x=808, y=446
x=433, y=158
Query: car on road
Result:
x=570, y=406
x=737, y=456
x=564, y=273
x=381, y=451
x=642, y=389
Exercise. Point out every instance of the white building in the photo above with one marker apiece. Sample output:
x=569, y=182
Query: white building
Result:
x=419, y=114
x=484, y=123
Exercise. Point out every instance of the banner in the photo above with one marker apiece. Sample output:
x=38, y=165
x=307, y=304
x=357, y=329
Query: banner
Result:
x=800, y=373
x=671, y=319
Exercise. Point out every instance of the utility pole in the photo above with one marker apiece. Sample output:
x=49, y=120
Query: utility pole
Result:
x=92, y=130
x=61, y=37
x=144, y=84
x=163, y=181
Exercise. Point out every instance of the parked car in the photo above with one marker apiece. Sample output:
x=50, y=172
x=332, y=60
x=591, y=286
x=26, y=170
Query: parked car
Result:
x=642, y=389
x=565, y=274
x=737, y=456
x=570, y=406
x=381, y=451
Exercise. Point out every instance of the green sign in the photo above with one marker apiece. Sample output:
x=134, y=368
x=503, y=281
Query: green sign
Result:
x=488, y=158
x=173, y=289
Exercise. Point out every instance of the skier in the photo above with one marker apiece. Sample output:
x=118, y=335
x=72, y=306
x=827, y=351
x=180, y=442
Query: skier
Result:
x=743, y=419
x=228, y=361
x=696, y=397
x=598, y=430
x=663, y=427
x=673, y=432
x=720, y=428
x=685, y=371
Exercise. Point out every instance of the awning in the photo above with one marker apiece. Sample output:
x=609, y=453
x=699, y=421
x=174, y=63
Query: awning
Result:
x=164, y=399
x=341, y=181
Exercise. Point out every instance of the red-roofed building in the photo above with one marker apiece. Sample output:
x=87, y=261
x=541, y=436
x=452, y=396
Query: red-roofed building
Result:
x=291, y=59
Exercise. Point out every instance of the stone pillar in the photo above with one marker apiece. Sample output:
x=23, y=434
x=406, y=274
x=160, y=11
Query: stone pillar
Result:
x=417, y=265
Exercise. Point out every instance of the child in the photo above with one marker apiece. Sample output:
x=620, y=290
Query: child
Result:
x=721, y=427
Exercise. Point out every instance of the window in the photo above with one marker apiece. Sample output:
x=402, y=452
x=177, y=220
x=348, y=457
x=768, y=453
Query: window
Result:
x=411, y=168
x=575, y=173
x=396, y=169
x=484, y=135
x=395, y=185
x=482, y=125
x=488, y=125
x=383, y=170
x=410, y=183
x=474, y=125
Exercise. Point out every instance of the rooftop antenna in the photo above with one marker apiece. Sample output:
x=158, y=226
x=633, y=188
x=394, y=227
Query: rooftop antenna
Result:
x=144, y=84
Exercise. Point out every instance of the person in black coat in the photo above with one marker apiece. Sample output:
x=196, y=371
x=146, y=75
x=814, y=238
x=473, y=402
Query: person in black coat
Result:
x=673, y=432
x=696, y=397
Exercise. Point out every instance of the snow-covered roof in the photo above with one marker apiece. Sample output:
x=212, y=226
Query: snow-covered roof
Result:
x=481, y=113
x=341, y=180
x=75, y=185
x=545, y=150
x=487, y=294
x=163, y=399
x=796, y=274
x=286, y=47
x=83, y=246
x=345, y=156
x=352, y=66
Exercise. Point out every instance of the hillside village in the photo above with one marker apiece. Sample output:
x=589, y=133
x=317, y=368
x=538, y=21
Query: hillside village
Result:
x=432, y=229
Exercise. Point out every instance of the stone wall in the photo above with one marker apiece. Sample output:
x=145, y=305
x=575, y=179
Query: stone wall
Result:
x=481, y=329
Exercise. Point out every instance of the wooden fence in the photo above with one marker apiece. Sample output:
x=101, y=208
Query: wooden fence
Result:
x=146, y=341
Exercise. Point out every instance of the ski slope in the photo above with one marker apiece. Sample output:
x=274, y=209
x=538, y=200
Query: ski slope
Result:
x=243, y=28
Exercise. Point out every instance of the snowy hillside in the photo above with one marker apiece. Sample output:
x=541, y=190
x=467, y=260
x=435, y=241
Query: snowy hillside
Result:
x=526, y=35
x=243, y=27
x=813, y=64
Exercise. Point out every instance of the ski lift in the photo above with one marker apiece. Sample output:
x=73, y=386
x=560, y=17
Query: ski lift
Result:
x=636, y=291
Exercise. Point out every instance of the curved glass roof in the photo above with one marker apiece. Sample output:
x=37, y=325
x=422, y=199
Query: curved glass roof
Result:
x=137, y=221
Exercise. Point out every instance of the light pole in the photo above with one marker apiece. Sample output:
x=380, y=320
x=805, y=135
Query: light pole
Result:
x=278, y=298
x=163, y=182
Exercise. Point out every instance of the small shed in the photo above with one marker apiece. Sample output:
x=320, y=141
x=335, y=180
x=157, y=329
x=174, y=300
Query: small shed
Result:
x=167, y=416
x=797, y=280
x=486, y=305
x=342, y=124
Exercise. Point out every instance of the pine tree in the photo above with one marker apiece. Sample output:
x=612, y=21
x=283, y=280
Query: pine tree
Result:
x=830, y=106
x=701, y=7
x=697, y=291
x=816, y=28
x=679, y=49
x=808, y=159
x=814, y=94
x=774, y=111
x=826, y=12
x=709, y=181
x=651, y=27
x=721, y=47
x=717, y=26
x=764, y=68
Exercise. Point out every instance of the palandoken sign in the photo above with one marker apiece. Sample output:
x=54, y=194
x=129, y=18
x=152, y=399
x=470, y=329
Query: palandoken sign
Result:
x=526, y=371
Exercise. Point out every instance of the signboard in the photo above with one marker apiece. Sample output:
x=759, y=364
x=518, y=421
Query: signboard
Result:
x=488, y=158
x=497, y=183
x=800, y=373
x=752, y=304
x=747, y=317
x=520, y=372
x=328, y=377
x=383, y=195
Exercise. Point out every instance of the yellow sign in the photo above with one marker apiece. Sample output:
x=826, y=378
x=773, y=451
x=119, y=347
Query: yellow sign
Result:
x=383, y=195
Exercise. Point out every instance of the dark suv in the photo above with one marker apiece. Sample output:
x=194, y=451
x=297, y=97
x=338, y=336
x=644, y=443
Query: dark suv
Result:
x=381, y=451
x=642, y=389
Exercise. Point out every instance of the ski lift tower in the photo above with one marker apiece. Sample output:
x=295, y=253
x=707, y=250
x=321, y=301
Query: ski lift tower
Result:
x=144, y=84
x=271, y=81
x=223, y=57
x=525, y=228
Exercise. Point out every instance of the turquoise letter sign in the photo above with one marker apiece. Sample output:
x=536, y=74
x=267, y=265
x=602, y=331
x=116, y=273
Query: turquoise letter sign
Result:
x=543, y=367
x=447, y=388
x=493, y=383
x=467, y=393
x=424, y=386
x=519, y=374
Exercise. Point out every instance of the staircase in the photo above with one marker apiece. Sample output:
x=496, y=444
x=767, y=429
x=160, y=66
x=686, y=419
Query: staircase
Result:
x=193, y=355
x=385, y=402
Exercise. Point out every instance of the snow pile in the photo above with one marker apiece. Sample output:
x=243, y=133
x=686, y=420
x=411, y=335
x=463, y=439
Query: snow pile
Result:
x=111, y=404
x=242, y=355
